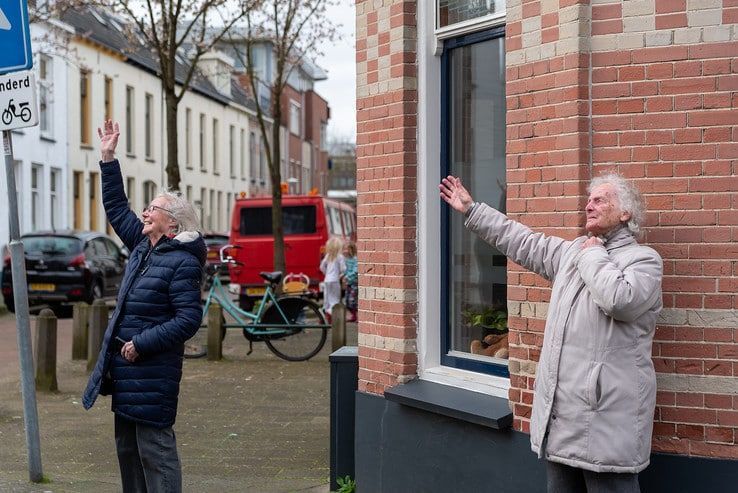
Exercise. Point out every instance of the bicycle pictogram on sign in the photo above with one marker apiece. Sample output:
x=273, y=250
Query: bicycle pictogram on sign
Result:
x=24, y=112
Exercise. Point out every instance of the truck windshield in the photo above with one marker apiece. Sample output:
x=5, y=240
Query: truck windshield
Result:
x=297, y=220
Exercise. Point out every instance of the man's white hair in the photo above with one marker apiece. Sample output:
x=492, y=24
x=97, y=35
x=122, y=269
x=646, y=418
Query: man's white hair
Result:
x=629, y=198
x=182, y=211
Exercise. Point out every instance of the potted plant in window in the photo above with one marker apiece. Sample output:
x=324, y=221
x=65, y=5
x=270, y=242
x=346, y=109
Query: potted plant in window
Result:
x=492, y=323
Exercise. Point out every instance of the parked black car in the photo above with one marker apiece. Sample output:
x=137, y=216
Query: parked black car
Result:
x=214, y=242
x=67, y=266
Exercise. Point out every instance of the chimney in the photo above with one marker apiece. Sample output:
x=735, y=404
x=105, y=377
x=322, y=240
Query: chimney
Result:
x=217, y=67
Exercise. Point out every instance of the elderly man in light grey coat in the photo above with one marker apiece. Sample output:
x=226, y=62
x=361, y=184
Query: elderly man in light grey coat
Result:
x=595, y=387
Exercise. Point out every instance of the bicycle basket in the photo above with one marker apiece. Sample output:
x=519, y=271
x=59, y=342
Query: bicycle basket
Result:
x=296, y=284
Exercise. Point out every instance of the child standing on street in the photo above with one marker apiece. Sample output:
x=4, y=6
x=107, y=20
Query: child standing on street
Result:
x=351, y=280
x=333, y=266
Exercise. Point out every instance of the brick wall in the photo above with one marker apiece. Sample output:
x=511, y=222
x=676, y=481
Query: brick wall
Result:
x=547, y=160
x=648, y=88
x=386, y=183
x=665, y=113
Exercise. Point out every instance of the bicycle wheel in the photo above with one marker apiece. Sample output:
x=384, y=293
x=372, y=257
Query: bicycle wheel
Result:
x=296, y=344
x=197, y=345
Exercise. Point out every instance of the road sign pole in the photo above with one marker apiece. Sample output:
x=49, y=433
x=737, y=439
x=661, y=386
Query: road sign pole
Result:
x=22, y=318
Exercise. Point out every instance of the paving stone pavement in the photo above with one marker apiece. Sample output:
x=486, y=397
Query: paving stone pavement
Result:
x=248, y=423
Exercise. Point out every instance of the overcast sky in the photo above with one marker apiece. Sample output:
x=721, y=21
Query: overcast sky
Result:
x=340, y=63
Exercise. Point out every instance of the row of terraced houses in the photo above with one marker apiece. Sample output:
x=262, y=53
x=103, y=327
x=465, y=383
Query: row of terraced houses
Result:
x=85, y=74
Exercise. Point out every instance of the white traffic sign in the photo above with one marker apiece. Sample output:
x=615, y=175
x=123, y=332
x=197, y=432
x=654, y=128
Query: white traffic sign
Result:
x=15, y=36
x=18, y=107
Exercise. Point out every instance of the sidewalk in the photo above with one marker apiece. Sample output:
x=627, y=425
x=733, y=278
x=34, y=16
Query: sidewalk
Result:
x=248, y=423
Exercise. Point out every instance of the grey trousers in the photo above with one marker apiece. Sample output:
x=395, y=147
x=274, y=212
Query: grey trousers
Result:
x=567, y=479
x=147, y=457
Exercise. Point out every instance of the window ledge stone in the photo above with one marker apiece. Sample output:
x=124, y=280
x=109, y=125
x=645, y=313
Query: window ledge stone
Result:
x=473, y=407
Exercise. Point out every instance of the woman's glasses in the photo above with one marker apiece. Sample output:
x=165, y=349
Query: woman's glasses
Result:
x=151, y=208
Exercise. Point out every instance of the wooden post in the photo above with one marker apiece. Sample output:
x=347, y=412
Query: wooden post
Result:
x=46, y=351
x=80, y=327
x=338, y=326
x=215, y=329
x=98, y=324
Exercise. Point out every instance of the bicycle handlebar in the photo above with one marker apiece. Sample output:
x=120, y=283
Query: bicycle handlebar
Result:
x=227, y=259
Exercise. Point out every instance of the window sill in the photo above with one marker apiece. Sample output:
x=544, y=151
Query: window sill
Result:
x=86, y=146
x=130, y=155
x=47, y=138
x=473, y=407
x=150, y=160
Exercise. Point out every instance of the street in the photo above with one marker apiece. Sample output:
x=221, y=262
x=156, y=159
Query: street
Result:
x=247, y=423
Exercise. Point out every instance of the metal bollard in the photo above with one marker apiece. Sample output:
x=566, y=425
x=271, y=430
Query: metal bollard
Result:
x=46, y=351
x=80, y=328
x=215, y=328
x=338, y=326
x=96, y=331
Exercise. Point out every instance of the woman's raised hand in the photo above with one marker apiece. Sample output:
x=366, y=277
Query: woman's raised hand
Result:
x=108, y=140
x=454, y=193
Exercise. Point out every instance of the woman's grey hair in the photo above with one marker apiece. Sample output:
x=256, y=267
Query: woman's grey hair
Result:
x=182, y=210
x=628, y=195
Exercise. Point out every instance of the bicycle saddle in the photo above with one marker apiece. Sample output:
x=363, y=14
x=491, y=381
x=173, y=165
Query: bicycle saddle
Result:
x=272, y=277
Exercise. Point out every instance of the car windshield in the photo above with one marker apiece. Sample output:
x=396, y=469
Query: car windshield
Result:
x=52, y=245
x=295, y=220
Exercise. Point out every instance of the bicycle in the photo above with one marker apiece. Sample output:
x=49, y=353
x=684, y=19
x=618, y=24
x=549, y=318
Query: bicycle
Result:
x=292, y=326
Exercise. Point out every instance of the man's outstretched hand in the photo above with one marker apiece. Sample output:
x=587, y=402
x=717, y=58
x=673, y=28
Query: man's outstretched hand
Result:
x=108, y=140
x=454, y=193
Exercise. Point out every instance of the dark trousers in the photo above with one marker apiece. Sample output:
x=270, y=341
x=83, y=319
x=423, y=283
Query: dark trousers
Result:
x=567, y=479
x=147, y=457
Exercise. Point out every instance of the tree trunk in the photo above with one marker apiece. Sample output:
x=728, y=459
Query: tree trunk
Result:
x=171, y=105
x=275, y=172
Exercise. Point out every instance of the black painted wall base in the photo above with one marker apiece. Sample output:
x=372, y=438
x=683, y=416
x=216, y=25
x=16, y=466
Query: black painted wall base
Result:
x=406, y=450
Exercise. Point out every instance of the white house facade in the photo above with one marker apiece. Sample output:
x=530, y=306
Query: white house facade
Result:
x=40, y=152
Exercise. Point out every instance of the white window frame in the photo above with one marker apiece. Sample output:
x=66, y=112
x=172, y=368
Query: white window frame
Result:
x=202, y=143
x=130, y=118
x=232, y=150
x=216, y=136
x=469, y=25
x=46, y=89
x=149, y=126
x=429, y=213
x=37, y=196
x=131, y=192
x=242, y=163
x=55, y=187
x=188, y=138
x=295, y=125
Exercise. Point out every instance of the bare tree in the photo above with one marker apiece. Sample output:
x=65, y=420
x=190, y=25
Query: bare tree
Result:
x=294, y=30
x=176, y=33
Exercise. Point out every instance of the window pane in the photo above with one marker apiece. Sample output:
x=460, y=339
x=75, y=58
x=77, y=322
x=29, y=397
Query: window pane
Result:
x=477, y=297
x=454, y=11
x=297, y=220
x=59, y=245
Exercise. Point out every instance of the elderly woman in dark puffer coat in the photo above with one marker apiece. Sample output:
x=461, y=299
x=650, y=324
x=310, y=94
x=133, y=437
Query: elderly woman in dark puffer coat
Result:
x=158, y=309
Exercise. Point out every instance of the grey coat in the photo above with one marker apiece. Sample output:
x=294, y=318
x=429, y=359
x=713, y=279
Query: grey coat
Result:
x=595, y=388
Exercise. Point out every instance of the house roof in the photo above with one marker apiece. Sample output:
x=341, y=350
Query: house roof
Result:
x=107, y=30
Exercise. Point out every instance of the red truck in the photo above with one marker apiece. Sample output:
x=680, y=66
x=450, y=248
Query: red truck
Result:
x=309, y=220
